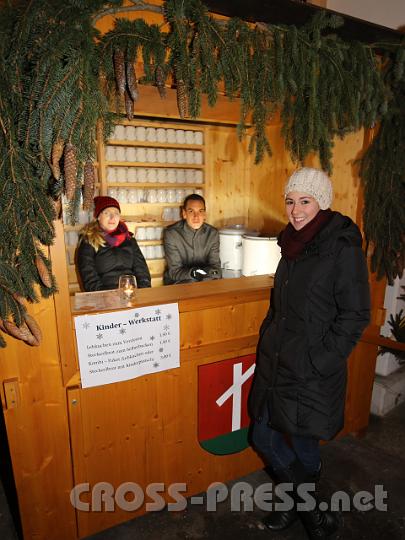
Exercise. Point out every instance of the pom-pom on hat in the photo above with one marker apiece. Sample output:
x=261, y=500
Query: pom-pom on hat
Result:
x=313, y=182
x=102, y=202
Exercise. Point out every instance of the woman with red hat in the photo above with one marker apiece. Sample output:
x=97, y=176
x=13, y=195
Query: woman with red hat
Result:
x=108, y=250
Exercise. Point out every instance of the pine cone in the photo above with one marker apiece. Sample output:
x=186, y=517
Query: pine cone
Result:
x=70, y=170
x=56, y=154
x=89, y=180
x=132, y=85
x=182, y=99
x=20, y=332
x=43, y=271
x=34, y=328
x=160, y=81
x=119, y=71
x=129, y=106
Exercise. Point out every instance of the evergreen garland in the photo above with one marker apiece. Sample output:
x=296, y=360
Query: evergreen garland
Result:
x=51, y=99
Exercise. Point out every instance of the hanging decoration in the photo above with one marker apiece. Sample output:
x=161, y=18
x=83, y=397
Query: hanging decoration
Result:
x=59, y=78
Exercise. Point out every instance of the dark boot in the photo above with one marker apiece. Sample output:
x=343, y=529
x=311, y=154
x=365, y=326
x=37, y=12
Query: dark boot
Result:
x=319, y=524
x=280, y=520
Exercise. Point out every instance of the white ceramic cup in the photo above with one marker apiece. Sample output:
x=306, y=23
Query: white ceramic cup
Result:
x=151, y=155
x=175, y=213
x=140, y=233
x=110, y=153
x=158, y=232
x=198, y=176
x=120, y=153
x=161, y=155
x=198, y=157
x=132, y=174
x=141, y=174
x=119, y=132
x=180, y=176
x=179, y=195
x=171, y=196
x=130, y=133
x=180, y=136
x=112, y=192
x=150, y=233
x=189, y=137
x=171, y=176
x=161, y=135
x=151, y=135
x=141, y=195
x=141, y=154
x=190, y=176
x=198, y=137
x=171, y=135
x=151, y=175
x=171, y=156
x=180, y=156
x=140, y=133
x=167, y=214
x=151, y=196
x=121, y=174
x=111, y=174
x=150, y=252
x=189, y=157
x=131, y=153
x=161, y=195
x=132, y=196
x=73, y=238
x=162, y=176
x=122, y=195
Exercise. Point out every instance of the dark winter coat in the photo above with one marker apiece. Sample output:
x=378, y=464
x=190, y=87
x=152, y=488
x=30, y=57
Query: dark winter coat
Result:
x=319, y=307
x=100, y=270
x=186, y=248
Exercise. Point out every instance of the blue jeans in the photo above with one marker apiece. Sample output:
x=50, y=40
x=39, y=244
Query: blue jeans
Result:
x=273, y=447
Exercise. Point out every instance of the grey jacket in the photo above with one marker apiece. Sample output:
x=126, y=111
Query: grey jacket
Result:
x=186, y=248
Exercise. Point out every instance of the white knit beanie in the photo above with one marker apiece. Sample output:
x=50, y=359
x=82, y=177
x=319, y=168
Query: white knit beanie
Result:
x=313, y=182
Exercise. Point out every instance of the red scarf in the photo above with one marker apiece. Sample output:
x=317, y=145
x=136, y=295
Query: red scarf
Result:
x=117, y=237
x=293, y=242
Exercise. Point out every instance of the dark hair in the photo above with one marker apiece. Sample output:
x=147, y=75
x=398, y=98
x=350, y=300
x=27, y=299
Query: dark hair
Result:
x=193, y=197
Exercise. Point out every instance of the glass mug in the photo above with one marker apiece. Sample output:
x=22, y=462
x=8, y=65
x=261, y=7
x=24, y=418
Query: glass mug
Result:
x=127, y=286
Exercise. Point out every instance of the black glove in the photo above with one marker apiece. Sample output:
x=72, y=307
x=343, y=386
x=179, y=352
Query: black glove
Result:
x=198, y=273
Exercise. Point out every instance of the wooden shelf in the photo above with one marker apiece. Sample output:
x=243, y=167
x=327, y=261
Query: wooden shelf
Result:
x=157, y=144
x=154, y=165
x=154, y=185
x=150, y=243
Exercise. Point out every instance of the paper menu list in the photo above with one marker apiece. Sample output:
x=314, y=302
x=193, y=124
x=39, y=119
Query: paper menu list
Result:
x=121, y=345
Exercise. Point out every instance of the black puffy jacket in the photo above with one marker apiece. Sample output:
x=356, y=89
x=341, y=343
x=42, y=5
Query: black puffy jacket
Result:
x=101, y=270
x=319, y=307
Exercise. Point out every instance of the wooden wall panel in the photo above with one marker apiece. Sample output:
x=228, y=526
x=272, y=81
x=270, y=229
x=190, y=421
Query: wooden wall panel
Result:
x=37, y=431
x=227, y=171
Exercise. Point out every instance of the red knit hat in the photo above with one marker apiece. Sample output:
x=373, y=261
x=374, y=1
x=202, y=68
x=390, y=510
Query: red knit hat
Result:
x=102, y=202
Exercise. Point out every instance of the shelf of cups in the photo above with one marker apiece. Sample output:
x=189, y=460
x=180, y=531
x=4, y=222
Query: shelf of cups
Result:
x=77, y=227
x=154, y=165
x=173, y=185
x=134, y=220
x=149, y=242
x=155, y=144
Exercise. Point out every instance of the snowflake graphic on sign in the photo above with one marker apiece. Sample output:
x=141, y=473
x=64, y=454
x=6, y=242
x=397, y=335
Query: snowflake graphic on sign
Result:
x=223, y=389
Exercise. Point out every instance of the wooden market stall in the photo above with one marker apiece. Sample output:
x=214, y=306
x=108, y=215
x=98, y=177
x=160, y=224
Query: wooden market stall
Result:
x=144, y=430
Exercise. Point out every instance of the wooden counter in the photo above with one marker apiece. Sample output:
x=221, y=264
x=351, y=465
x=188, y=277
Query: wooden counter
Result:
x=145, y=430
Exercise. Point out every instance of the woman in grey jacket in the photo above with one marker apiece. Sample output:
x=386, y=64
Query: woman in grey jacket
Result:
x=319, y=307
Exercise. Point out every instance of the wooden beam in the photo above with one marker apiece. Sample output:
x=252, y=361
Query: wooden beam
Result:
x=299, y=13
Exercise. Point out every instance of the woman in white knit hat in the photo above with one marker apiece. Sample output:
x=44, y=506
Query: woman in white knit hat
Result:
x=319, y=307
